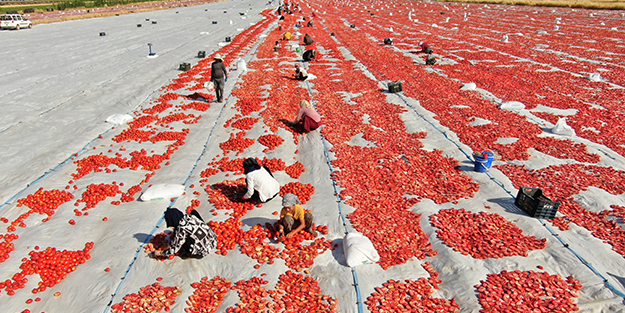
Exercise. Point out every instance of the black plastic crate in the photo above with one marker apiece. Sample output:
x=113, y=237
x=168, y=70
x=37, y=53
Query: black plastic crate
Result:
x=534, y=203
x=395, y=87
x=184, y=67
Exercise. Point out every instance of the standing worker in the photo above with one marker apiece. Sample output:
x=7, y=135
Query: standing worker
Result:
x=192, y=237
x=293, y=217
x=219, y=76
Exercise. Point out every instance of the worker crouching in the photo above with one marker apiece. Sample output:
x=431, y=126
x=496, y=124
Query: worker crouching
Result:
x=192, y=237
x=293, y=218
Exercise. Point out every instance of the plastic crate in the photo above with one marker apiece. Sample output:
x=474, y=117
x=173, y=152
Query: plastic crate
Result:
x=184, y=67
x=395, y=87
x=534, y=203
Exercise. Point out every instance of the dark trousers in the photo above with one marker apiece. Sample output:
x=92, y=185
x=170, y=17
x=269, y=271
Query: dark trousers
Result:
x=219, y=88
x=256, y=197
x=290, y=223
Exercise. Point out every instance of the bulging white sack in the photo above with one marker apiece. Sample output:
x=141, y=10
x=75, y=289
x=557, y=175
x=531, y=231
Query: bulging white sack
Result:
x=512, y=105
x=119, y=119
x=562, y=128
x=468, y=86
x=162, y=191
x=595, y=77
x=241, y=65
x=359, y=250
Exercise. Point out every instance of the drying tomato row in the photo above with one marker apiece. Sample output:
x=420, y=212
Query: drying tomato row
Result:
x=52, y=266
x=151, y=298
x=208, y=295
x=410, y=296
x=483, y=235
x=528, y=291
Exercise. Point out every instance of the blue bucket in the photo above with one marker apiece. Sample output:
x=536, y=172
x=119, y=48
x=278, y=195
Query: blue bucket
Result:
x=483, y=164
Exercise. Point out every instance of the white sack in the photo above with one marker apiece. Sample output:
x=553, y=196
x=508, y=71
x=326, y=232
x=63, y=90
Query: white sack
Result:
x=119, y=119
x=162, y=191
x=595, y=77
x=241, y=65
x=512, y=105
x=468, y=86
x=562, y=128
x=358, y=250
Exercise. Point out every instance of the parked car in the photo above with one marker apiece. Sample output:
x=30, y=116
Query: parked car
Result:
x=14, y=21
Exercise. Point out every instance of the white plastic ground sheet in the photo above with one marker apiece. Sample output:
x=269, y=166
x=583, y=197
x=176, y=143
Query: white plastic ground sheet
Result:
x=60, y=82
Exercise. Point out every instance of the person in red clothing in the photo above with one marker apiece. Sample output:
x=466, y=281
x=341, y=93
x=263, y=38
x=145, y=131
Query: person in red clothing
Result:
x=219, y=76
x=425, y=47
x=307, y=118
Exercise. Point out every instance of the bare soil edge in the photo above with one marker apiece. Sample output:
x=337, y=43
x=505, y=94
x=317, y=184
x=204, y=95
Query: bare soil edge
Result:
x=81, y=13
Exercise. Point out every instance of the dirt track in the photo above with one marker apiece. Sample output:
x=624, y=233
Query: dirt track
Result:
x=82, y=13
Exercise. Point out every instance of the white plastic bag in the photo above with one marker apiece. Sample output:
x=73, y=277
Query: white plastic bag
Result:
x=512, y=105
x=562, y=128
x=119, y=119
x=162, y=191
x=210, y=86
x=468, y=86
x=358, y=250
x=241, y=65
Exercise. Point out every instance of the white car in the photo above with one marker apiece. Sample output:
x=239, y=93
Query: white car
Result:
x=14, y=21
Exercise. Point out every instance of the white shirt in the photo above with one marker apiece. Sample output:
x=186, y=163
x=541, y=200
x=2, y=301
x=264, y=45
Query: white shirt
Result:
x=261, y=181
